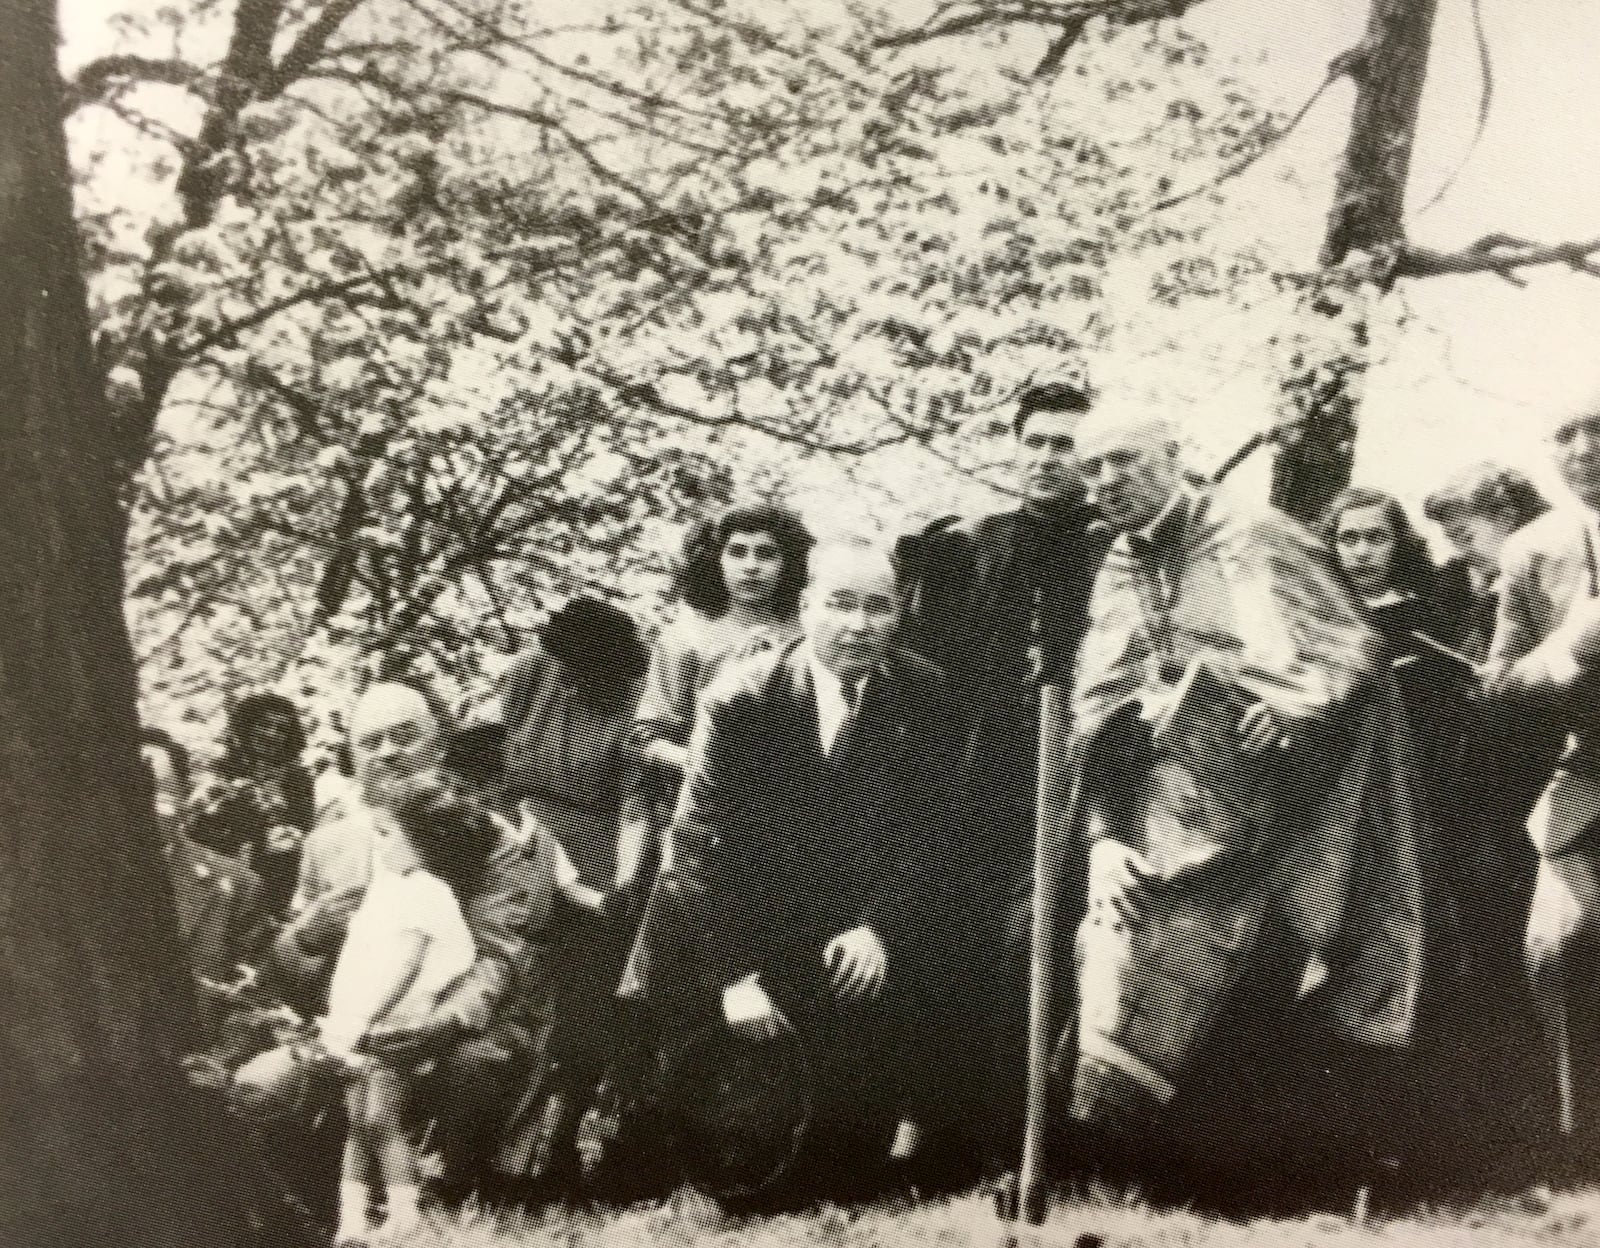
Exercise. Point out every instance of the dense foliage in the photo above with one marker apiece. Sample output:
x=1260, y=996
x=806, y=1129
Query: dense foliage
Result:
x=421, y=315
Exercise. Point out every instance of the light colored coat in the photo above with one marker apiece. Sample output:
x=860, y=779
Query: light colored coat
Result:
x=1549, y=567
x=1337, y=852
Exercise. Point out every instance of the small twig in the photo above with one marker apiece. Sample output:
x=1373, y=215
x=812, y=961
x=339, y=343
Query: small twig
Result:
x=307, y=48
x=1059, y=47
x=310, y=294
x=585, y=153
x=1347, y=63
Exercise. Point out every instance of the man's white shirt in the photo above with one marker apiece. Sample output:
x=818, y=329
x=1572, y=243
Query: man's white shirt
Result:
x=833, y=708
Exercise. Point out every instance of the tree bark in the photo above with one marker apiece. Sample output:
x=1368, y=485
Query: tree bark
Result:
x=100, y=1142
x=1326, y=353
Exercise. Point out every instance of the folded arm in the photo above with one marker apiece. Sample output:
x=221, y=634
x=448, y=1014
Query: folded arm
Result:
x=667, y=707
x=1528, y=671
x=1304, y=647
x=499, y=916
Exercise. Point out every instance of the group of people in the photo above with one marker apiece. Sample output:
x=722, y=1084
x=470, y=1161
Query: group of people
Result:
x=1323, y=862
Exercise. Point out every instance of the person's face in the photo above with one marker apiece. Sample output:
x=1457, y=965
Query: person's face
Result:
x=850, y=612
x=1047, y=468
x=1365, y=543
x=396, y=741
x=271, y=742
x=167, y=787
x=1575, y=444
x=1480, y=539
x=752, y=565
x=1130, y=474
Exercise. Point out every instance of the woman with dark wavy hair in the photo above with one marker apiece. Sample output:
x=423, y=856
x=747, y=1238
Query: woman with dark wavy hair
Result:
x=1380, y=556
x=258, y=804
x=739, y=582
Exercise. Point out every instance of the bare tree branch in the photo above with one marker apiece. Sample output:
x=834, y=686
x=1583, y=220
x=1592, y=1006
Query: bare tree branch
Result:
x=757, y=36
x=585, y=153
x=645, y=394
x=1347, y=64
x=611, y=86
x=1500, y=254
x=1485, y=104
x=247, y=62
x=1056, y=53
x=95, y=77
x=308, y=47
x=310, y=294
x=960, y=19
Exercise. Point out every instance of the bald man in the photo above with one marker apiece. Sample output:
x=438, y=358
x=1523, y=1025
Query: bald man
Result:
x=812, y=824
x=488, y=1028
x=1234, y=737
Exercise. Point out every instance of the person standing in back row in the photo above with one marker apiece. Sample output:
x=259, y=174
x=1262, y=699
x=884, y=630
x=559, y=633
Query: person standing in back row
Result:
x=738, y=588
x=1542, y=671
x=986, y=600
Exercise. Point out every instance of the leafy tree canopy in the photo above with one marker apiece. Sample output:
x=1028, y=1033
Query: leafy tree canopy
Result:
x=422, y=315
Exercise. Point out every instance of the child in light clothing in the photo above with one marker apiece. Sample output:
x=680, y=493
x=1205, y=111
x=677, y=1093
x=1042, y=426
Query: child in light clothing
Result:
x=406, y=945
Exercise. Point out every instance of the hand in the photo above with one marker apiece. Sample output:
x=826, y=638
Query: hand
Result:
x=407, y=1040
x=857, y=964
x=1261, y=730
x=1581, y=629
x=1155, y=705
x=320, y=930
x=751, y=1014
x=1122, y=880
x=284, y=838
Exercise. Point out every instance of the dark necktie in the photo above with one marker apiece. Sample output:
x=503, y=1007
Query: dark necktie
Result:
x=851, y=689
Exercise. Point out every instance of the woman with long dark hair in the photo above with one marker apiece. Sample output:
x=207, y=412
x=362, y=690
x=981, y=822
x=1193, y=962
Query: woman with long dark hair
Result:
x=739, y=583
x=258, y=805
x=1482, y=881
x=1385, y=563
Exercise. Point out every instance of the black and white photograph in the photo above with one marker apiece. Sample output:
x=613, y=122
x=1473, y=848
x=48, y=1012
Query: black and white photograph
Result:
x=799, y=623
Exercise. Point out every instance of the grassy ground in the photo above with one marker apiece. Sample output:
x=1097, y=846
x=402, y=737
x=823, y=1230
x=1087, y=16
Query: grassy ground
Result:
x=1548, y=1221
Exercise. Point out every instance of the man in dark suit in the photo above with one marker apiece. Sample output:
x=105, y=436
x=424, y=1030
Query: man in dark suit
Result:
x=811, y=831
x=992, y=600
x=1542, y=672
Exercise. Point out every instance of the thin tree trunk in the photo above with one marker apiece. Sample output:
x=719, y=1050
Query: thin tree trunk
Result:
x=99, y=1142
x=1326, y=352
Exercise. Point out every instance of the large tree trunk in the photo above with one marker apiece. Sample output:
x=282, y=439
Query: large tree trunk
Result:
x=1325, y=354
x=99, y=1143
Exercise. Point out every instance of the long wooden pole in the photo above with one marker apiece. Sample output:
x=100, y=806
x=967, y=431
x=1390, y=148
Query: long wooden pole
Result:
x=1053, y=820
